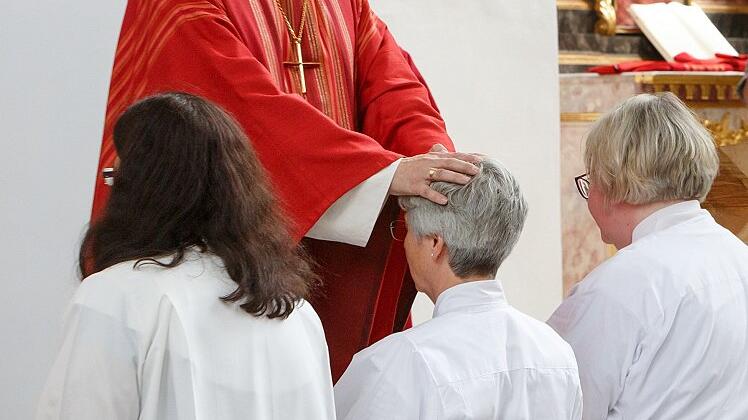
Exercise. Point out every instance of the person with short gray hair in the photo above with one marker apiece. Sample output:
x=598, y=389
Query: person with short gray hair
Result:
x=660, y=330
x=478, y=358
x=480, y=226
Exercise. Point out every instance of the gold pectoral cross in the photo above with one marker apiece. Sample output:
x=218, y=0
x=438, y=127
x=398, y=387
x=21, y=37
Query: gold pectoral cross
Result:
x=300, y=65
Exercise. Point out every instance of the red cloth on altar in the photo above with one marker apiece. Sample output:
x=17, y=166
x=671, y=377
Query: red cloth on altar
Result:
x=683, y=62
x=366, y=107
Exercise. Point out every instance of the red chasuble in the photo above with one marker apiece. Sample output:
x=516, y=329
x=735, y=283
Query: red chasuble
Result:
x=366, y=106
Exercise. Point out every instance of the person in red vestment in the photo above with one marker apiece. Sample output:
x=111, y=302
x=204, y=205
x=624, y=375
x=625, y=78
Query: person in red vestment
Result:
x=339, y=116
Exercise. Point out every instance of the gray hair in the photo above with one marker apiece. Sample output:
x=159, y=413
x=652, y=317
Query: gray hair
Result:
x=480, y=224
x=651, y=148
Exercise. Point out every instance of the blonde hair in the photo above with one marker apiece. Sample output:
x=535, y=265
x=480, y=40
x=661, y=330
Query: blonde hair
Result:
x=651, y=148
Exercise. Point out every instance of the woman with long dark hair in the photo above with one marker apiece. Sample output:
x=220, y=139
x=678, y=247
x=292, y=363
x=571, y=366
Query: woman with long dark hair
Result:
x=193, y=303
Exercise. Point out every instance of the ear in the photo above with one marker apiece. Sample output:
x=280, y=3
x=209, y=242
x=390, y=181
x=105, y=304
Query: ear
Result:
x=438, y=248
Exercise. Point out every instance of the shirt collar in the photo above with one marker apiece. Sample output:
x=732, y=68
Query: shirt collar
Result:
x=470, y=297
x=667, y=217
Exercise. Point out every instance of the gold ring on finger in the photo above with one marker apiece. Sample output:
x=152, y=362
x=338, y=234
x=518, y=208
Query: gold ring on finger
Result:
x=432, y=172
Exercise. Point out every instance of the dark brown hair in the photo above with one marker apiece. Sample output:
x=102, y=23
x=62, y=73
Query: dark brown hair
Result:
x=188, y=178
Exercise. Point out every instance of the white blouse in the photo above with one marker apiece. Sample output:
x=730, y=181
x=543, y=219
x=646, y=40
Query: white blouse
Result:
x=478, y=358
x=155, y=343
x=660, y=330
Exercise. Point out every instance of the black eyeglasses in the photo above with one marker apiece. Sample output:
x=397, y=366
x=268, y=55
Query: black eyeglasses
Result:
x=398, y=230
x=583, y=185
x=108, y=175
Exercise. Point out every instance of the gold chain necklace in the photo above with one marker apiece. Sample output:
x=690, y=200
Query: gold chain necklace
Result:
x=298, y=64
x=291, y=32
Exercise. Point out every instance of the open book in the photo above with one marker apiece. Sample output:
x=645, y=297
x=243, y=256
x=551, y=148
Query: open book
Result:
x=674, y=28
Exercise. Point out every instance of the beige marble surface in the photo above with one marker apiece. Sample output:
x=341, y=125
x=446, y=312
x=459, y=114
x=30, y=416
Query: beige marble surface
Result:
x=590, y=92
x=580, y=238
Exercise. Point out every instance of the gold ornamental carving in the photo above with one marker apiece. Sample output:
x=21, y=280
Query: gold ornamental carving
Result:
x=724, y=134
x=606, y=14
x=697, y=90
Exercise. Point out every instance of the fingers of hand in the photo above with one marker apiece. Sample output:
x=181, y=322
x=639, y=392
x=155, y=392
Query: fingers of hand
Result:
x=432, y=195
x=438, y=147
x=455, y=165
x=467, y=157
x=473, y=158
x=446, y=175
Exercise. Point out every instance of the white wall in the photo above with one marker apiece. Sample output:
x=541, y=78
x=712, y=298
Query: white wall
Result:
x=492, y=67
x=55, y=61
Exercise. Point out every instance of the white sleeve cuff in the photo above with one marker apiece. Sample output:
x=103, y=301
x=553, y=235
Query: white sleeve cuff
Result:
x=351, y=218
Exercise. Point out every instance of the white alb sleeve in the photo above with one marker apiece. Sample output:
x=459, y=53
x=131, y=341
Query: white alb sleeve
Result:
x=351, y=218
x=94, y=376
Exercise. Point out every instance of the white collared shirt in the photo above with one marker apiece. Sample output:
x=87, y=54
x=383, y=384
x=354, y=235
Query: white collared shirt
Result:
x=660, y=330
x=158, y=344
x=478, y=358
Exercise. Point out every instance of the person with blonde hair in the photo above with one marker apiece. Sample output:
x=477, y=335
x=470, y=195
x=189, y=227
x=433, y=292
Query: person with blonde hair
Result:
x=660, y=330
